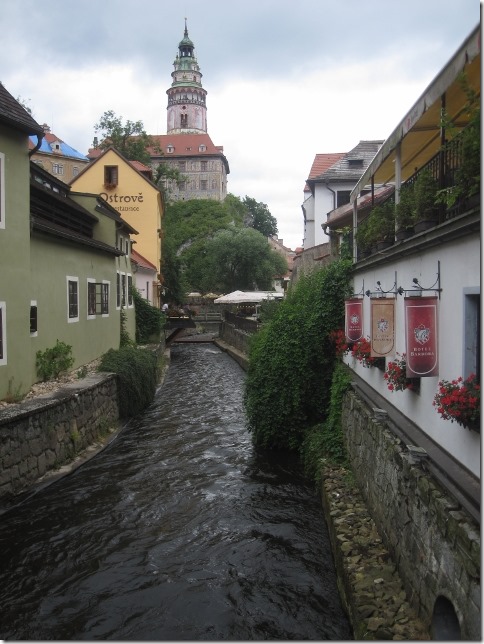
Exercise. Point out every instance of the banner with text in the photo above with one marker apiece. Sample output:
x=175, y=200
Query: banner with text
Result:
x=382, y=327
x=421, y=336
x=354, y=319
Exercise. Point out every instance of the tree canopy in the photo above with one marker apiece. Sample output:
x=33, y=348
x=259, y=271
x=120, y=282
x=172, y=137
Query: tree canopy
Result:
x=193, y=239
x=261, y=218
x=129, y=138
x=234, y=259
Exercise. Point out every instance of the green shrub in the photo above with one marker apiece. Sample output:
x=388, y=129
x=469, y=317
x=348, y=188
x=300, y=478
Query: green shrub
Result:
x=150, y=321
x=52, y=362
x=291, y=360
x=137, y=371
x=325, y=440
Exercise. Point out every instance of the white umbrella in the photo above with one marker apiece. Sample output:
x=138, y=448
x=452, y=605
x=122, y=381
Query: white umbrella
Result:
x=248, y=297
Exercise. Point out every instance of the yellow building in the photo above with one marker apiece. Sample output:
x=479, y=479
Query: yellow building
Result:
x=127, y=187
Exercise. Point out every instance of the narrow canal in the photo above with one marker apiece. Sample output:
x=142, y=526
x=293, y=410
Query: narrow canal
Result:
x=178, y=530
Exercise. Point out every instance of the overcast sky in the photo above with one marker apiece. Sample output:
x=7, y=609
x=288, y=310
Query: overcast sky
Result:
x=286, y=79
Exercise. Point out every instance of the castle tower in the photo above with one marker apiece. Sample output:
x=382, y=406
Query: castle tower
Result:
x=187, y=110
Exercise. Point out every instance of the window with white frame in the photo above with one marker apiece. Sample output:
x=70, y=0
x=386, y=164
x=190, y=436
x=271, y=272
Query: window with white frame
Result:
x=97, y=298
x=105, y=297
x=130, y=290
x=33, y=318
x=123, y=289
x=472, y=332
x=3, y=333
x=72, y=299
x=2, y=190
x=57, y=168
x=118, y=290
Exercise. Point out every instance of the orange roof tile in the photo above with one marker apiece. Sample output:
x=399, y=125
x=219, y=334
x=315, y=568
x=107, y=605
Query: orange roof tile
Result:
x=323, y=162
x=142, y=261
x=185, y=144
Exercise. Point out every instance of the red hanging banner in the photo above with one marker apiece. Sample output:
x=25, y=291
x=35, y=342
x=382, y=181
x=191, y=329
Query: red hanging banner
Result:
x=421, y=336
x=354, y=319
x=382, y=327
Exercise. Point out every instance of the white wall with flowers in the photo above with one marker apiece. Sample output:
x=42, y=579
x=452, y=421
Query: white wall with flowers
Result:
x=458, y=331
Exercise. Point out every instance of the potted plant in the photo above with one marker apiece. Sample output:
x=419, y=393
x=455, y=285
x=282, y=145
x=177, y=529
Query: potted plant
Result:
x=460, y=401
x=338, y=339
x=382, y=225
x=464, y=191
x=395, y=375
x=363, y=241
x=405, y=212
x=361, y=351
x=425, y=195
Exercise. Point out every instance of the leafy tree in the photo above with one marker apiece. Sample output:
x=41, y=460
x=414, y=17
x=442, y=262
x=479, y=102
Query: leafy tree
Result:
x=129, y=138
x=262, y=220
x=292, y=357
x=165, y=176
x=238, y=258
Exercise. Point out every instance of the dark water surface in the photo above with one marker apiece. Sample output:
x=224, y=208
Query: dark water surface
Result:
x=178, y=530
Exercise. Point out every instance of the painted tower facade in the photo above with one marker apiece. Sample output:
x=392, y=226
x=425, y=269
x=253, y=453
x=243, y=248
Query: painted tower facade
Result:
x=187, y=145
x=187, y=110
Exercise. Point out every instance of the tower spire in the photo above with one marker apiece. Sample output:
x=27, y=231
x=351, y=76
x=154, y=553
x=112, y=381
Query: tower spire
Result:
x=187, y=111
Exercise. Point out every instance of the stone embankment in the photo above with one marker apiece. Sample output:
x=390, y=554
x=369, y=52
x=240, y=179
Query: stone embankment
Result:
x=369, y=584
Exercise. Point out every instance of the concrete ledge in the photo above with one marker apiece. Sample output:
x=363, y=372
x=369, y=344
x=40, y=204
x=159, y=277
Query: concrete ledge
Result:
x=237, y=355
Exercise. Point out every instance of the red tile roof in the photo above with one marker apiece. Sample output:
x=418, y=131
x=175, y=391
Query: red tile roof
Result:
x=323, y=162
x=183, y=144
x=142, y=261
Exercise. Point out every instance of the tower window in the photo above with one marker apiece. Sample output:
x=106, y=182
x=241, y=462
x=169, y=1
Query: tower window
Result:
x=183, y=120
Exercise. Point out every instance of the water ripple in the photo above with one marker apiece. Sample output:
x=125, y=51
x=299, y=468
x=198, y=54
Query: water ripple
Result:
x=179, y=530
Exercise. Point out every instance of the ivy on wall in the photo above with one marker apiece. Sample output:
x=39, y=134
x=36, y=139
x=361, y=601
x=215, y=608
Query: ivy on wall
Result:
x=291, y=360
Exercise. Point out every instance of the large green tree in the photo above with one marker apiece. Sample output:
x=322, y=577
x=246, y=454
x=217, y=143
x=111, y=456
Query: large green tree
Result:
x=191, y=242
x=260, y=217
x=129, y=138
x=234, y=259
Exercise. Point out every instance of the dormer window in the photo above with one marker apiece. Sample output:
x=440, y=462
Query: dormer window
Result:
x=202, y=148
x=355, y=163
x=170, y=149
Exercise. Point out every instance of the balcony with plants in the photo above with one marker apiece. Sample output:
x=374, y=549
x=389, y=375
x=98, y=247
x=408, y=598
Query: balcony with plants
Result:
x=447, y=186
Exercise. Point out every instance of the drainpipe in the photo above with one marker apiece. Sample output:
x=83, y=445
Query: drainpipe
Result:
x=39, y=143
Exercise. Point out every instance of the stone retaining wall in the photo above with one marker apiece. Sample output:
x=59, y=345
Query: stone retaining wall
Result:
x=235, y=337
x=39, y=435
x=435, y=544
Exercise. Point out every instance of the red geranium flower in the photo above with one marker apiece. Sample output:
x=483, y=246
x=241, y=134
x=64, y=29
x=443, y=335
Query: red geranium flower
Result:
x=460, y=400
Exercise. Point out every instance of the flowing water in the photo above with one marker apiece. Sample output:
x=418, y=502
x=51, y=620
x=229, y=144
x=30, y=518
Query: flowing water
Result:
x=178, y=530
